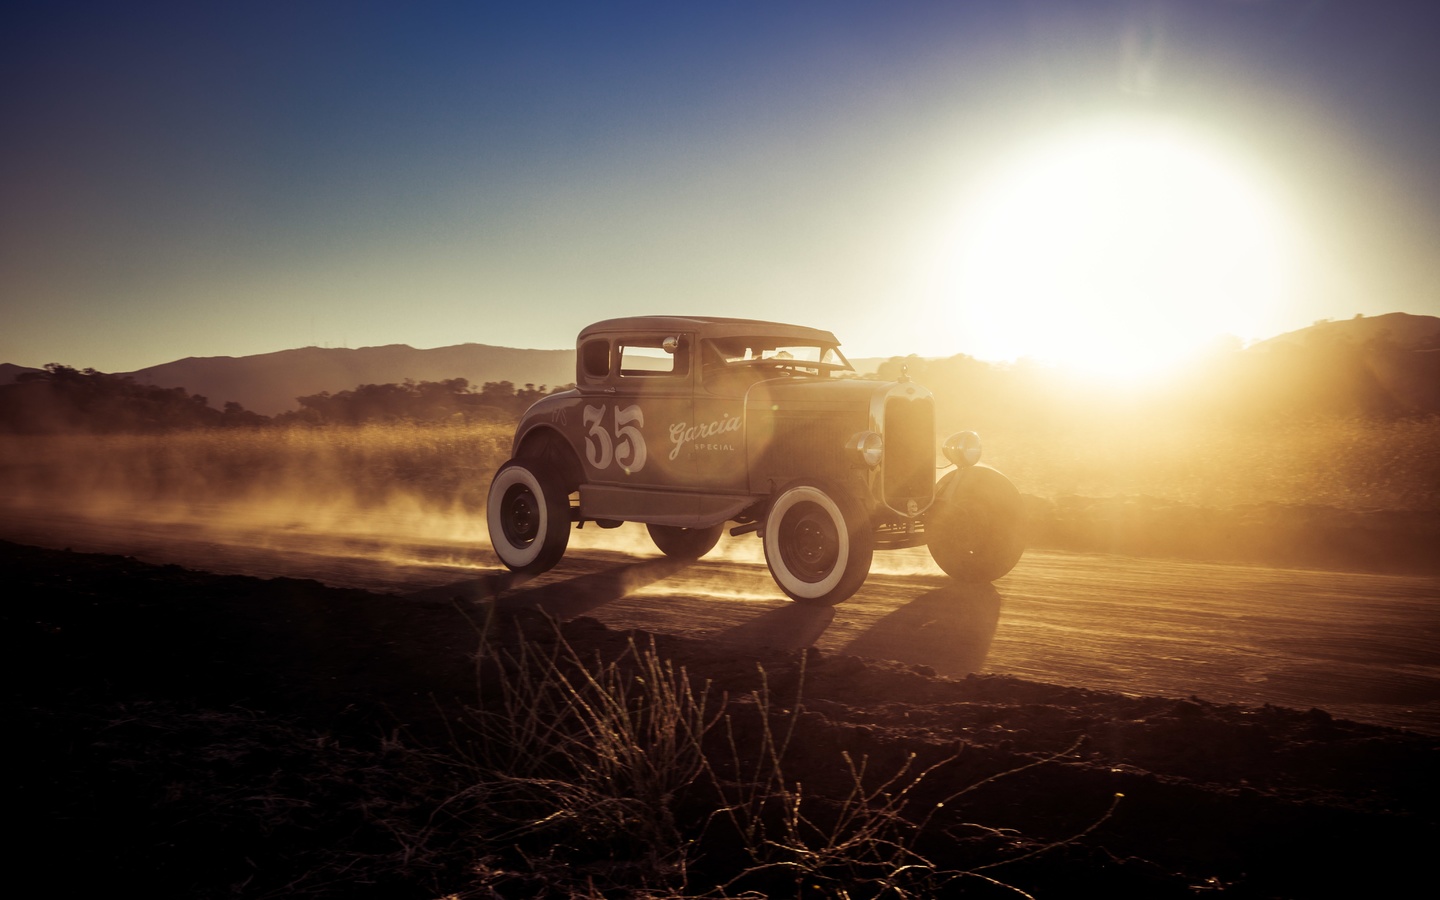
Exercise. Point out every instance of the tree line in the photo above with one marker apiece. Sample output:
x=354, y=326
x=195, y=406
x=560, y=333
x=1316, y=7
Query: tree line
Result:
x=66, y=399
x=450, y=400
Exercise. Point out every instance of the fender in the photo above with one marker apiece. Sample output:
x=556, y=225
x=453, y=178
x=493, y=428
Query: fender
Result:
x=976, y=530
x=546, y=442
x=954, y=487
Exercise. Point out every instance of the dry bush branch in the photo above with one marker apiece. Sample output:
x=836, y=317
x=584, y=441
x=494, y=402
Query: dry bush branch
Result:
x=584, y=765
x=588, y=751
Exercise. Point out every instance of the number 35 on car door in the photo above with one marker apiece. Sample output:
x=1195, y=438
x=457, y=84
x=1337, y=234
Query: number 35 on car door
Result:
x=614, y=437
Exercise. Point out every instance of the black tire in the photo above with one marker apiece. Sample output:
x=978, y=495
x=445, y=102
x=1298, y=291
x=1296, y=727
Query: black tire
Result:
x=685, y=543
x=528, y=513
x=818, y=544
x=974, y=528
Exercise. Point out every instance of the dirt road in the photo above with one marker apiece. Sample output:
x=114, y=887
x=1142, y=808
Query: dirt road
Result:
x=1362, y=646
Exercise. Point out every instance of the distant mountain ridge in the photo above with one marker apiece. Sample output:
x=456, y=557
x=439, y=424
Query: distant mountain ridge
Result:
x=268, y=383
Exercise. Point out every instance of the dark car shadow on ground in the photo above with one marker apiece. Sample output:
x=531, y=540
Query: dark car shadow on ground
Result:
x=563, y=598
x=791, y=627
x=949, y=629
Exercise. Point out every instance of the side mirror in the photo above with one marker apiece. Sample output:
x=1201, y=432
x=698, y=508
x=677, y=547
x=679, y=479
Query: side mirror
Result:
x=670, y=345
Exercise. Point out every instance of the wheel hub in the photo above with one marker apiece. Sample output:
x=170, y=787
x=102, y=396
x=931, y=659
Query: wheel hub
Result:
x=522, y=518
x=809, y=543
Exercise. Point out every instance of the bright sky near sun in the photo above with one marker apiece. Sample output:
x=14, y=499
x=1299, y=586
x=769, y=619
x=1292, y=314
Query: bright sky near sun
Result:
x=1108, y=185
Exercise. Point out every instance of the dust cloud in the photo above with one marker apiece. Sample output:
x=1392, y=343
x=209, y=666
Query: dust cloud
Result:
x=1334, y=491
x=404, y=495
x=407, y=493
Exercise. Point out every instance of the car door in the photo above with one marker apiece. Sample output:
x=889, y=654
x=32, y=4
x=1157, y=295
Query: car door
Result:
x=628, y=415
x=715, y=438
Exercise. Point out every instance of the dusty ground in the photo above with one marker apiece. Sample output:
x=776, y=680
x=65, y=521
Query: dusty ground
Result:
x=185, y=734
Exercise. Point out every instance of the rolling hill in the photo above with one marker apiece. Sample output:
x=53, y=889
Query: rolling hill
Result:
x=1399, y=330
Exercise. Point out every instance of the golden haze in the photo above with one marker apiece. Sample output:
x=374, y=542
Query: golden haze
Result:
x=1057, y=438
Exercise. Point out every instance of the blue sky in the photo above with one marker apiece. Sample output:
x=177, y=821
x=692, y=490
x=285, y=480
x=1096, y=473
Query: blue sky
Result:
x=233, y=178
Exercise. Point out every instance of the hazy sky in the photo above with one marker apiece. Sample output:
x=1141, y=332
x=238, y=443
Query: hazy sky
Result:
x=994, y=178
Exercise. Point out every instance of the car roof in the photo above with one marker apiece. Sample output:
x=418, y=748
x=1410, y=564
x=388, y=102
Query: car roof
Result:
x=710, y=326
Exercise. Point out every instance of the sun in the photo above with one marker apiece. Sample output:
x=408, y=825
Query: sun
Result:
x=1118, y=250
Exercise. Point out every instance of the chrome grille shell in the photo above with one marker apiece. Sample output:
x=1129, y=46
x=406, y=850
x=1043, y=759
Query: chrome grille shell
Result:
x=904, y=413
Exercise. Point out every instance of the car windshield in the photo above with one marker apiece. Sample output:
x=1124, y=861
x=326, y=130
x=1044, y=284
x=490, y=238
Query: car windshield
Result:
x=781, y=352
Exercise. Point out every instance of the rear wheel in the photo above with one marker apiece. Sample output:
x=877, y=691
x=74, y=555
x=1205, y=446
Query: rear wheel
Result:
x=685, y=543
x=974, y=529
x=817, y=544
x=528, y=512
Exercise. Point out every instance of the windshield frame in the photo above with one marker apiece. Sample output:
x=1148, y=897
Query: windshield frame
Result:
x=732, y=353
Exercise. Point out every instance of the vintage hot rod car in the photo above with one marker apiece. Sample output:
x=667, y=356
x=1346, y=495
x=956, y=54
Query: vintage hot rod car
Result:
x=688, y=423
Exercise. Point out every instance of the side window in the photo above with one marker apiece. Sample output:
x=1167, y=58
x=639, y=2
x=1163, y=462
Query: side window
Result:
x=650, y=357
x=595, y=359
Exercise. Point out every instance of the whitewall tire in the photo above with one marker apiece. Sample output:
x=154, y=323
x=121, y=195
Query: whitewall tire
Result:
x=528, y=513
x=817, y=544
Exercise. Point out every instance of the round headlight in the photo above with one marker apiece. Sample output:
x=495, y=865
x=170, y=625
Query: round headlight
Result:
x=867, y=447
x=962, y=448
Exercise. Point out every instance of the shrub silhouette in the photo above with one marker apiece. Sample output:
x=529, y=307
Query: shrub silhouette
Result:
x=62, y=399
x=419, y=402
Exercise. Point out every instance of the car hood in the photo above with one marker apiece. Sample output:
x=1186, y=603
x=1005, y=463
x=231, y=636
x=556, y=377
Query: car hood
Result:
x=814, y=393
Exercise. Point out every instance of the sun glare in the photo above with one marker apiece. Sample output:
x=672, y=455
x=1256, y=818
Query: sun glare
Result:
x=1117, y=251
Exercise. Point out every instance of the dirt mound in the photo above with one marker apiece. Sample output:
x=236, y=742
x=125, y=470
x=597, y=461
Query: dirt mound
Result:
x=227, y=736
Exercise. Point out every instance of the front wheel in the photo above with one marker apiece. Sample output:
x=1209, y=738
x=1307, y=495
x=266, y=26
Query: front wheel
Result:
x=685, y=543
x=528, y=512
x=974, y=528
x=817, y=544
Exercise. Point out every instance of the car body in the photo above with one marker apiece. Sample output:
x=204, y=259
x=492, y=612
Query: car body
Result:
x=689, y=424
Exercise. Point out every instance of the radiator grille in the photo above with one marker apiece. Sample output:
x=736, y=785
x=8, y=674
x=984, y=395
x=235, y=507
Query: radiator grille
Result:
x=909, y=466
